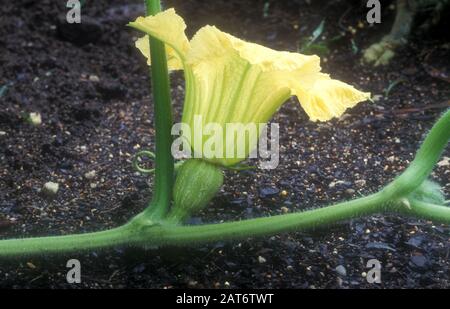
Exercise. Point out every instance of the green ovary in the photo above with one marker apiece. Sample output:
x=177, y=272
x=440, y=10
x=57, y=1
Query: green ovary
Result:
x=196, y=185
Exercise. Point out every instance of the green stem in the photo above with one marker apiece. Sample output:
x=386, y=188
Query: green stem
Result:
x=427, y=211
x=308, y=220
x=425, y=161
x=164, y=163
x=143, y=231
x=69, y=243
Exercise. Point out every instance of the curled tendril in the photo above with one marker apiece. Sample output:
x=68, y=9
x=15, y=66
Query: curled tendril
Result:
x=148, y=154
x=139, y=156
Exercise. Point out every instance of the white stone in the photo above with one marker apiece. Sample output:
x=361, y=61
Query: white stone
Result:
x=94, y=78
x=50, y=189
x=35, y=119
x=90, y=175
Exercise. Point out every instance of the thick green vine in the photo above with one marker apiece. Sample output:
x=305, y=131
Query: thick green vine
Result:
x=397, y=197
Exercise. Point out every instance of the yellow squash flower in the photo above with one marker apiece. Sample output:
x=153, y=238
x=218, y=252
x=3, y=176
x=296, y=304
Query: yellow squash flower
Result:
x=229, y=80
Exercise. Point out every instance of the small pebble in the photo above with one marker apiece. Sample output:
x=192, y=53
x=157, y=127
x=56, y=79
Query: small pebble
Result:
x=90, y=175
x=50, y=189
x=341, y=271
x=443, y=163
x=94, y=78
x=360, y=183
x=350, y=192
x=377, y=97
x=268, y=192
x=261, y=260
x=419, y=261
x=284, y=193
x=284, y=210
x=35, y=119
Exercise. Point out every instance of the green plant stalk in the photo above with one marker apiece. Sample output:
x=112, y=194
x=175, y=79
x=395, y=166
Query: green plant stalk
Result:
x=70, y=243
x=424, y=162
x=164, y=162
x=153, y=234
x=427, y=211
x=142, y=231
x=302, y=221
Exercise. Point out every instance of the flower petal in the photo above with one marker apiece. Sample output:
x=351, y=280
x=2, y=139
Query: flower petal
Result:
x=322, y=97
x=242, y=82
x=210, y=43
x=226, y=84
x=328, y=98
x=167, y=27
x=230, y=81
x=173, y=60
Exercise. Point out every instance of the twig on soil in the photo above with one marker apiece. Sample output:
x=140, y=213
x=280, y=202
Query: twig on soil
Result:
x=418, y=109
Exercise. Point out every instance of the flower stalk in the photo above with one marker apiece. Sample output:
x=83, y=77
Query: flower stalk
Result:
x=164, y=161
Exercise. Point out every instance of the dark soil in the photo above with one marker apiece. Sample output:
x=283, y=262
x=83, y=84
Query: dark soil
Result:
x=91, y=87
